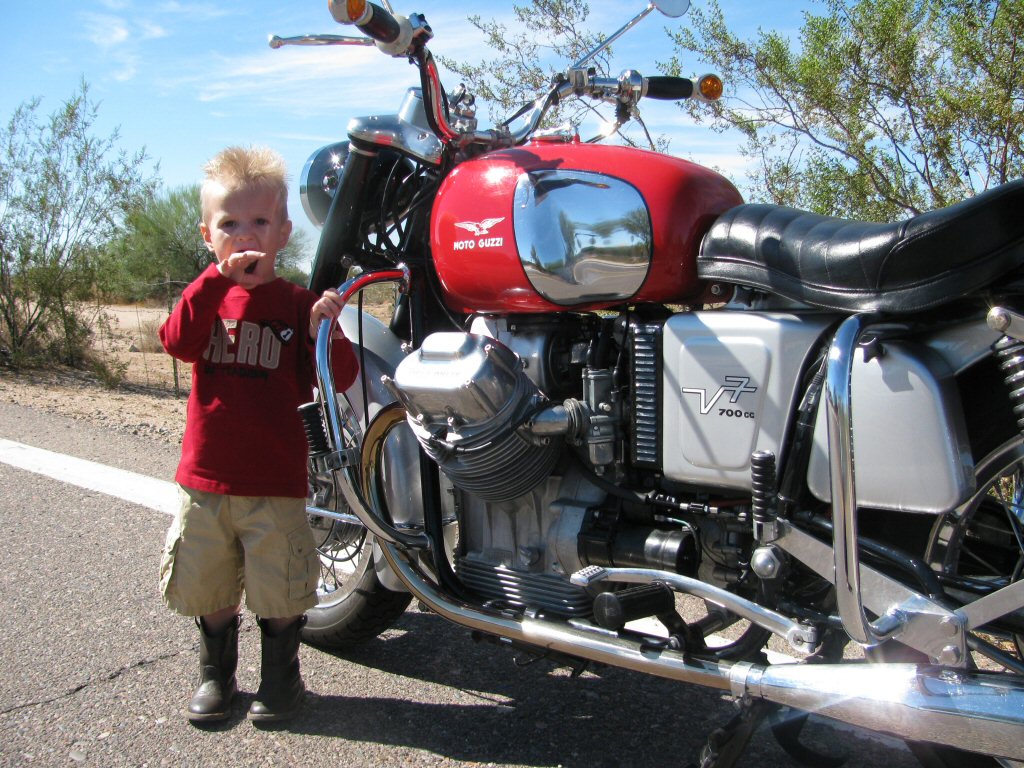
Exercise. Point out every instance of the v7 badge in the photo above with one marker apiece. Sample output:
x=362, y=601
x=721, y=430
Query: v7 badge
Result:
x=736, y=385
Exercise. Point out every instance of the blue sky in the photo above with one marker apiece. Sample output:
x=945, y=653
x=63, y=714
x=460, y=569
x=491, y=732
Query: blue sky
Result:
x=184, y=78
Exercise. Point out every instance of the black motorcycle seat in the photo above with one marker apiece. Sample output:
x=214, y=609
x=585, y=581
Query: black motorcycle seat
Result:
x=856, y=266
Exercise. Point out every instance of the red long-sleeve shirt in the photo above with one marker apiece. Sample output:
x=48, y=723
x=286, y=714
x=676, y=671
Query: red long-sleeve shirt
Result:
x=253, y=365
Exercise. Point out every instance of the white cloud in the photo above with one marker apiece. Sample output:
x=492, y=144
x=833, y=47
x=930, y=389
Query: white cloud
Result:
x=105, y=31
x=306, y=81
x=152, y=31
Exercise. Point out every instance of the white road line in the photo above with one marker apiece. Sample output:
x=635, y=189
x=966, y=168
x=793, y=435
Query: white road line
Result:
x=162, y=496
x=158, y=495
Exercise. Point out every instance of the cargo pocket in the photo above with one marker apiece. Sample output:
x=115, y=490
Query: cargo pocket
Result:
x=168, y=559
x=303, y=568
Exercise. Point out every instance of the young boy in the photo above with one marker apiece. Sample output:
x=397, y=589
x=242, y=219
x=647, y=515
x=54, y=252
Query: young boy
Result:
x=242, y=476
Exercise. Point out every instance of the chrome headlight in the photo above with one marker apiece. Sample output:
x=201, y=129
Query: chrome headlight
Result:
x=319, y=180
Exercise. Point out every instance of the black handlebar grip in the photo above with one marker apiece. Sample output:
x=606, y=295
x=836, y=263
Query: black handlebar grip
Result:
x=381, y=25
x=669, y=88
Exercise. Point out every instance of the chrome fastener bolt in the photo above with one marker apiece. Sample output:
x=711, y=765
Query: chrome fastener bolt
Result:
x=951, y=626
x=950, y=655
x=765, y=563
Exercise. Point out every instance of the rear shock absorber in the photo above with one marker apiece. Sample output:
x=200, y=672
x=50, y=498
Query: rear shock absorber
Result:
x=1010, y=353
x=1009, y=350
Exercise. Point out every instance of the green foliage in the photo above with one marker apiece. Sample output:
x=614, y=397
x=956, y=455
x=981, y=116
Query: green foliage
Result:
x=291, y=258
x=160, y=245
x=551, y=36
x=63, y=194
x=885, y=109
x=161, y=250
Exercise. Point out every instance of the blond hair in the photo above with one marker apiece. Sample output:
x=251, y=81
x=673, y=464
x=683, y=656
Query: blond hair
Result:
x=236, y=168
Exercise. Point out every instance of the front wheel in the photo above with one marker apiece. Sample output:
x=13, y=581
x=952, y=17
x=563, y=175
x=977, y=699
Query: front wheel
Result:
x=354, y=606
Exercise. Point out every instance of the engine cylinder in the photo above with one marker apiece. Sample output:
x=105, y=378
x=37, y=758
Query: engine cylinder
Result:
x=469, y=400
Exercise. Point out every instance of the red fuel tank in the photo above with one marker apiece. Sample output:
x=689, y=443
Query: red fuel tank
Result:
x=564, y=225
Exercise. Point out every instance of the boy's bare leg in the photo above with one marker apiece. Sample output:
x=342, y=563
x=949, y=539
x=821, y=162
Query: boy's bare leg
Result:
x=217, y=621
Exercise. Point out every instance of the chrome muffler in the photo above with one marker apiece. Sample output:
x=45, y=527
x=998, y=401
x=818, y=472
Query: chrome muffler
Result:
x=976, y=711
x=972, y=710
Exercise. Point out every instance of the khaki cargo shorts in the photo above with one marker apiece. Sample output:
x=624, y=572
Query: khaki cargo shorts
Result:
x=219, y=546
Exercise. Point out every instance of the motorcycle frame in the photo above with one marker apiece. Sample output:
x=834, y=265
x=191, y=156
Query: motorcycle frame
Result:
x=972, y=710
x=951, y=706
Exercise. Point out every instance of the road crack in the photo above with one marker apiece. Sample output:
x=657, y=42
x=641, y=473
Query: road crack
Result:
x=94, y=681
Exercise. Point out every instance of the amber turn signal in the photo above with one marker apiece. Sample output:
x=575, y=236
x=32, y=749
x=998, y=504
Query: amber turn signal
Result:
x=355, y=8
x=710, y=87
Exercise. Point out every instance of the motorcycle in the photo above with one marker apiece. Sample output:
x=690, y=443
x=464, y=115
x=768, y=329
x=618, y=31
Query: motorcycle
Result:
x=612, y=418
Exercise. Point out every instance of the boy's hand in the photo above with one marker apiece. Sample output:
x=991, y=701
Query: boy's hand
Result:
x=241, y=267
x=327, y=306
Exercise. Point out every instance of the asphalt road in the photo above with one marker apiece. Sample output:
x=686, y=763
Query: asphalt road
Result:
x=95, y=671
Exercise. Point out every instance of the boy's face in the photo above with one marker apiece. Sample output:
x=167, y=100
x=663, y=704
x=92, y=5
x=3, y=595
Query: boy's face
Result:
x=247, y=219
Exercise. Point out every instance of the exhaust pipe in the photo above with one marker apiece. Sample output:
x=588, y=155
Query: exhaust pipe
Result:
x=975, y=711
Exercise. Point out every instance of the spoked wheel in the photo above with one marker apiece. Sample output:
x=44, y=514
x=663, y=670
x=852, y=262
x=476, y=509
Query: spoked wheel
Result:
x=977, y=549
x=354, y=606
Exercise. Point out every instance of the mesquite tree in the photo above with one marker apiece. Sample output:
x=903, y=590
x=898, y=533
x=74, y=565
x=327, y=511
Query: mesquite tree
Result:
x=882, y=108
x=546, y=37
x=63, y=194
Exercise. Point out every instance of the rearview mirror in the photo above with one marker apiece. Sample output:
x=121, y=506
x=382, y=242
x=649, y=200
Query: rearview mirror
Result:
x=672, y=8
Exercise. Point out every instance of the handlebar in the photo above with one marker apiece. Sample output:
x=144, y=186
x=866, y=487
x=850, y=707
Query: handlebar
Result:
x=401, y=36
x=669, y=88
x=393, y=33
x=373, y=20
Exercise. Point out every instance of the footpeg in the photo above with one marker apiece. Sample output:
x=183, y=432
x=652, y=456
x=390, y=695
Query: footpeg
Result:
x=588, y=575
x=613, y=610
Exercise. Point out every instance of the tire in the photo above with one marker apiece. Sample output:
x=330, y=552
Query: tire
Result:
x=978, y=541
x=354, y=606
x=983, y=540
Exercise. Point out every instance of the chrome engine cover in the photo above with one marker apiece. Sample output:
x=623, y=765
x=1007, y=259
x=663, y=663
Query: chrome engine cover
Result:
x=468, y=399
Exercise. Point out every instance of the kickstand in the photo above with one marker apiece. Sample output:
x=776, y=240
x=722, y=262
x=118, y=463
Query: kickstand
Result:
x=726, y=744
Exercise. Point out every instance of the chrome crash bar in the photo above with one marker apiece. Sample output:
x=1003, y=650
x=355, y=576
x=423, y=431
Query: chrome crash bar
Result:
x=344, y=455
x=839, y=420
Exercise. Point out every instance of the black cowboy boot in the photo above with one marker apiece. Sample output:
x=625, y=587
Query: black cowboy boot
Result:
x=218, y=659
x=281, y=688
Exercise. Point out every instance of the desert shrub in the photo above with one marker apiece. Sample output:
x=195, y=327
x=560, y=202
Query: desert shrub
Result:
x=149, y=337
x=108, y=370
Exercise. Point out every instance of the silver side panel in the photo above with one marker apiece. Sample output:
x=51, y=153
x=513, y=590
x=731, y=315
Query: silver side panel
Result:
x=961, y=346
x=912, y=451
x=731, y=381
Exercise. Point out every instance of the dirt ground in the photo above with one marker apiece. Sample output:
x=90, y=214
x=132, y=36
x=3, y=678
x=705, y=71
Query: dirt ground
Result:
x=145, y=403
x=149, y=401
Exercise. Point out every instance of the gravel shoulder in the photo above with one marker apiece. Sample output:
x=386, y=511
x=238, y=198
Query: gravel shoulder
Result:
x=146, y=403
x=128, y=409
